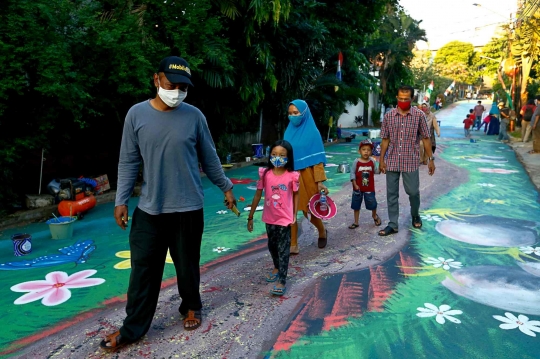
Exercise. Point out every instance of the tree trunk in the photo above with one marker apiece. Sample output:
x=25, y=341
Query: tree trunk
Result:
x=526, y=64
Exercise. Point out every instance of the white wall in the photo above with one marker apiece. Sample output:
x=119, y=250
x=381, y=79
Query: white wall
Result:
x=347, y=119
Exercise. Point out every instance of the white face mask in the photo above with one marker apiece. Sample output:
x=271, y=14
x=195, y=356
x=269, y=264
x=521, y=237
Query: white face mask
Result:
x=171, y=98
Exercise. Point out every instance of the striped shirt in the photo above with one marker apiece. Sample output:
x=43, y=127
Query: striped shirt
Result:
x=404, y=133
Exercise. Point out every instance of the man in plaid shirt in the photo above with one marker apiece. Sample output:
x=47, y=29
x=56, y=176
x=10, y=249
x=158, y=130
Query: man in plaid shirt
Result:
x=401, y=131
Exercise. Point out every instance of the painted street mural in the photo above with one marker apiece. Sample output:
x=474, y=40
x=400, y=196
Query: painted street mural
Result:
x=99, y=247
x=467, y=285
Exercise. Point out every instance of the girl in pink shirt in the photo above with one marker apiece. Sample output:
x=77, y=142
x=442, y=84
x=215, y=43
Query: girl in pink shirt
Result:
x=280, y=184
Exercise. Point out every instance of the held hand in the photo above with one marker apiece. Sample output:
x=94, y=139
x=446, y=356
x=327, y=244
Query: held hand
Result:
x=121, y=216
x=322, y=187
x=431, y=168
x=382, y=166
x=250, y=225
x=229, y=201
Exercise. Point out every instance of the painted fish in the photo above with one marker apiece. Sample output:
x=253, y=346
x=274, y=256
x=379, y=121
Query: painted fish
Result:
x=530, y=267
x=76, y=253
x=507, y=288
x=486, y=160
x=490, y=231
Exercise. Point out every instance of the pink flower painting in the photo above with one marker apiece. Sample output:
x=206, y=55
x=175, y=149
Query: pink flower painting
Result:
x=55, y=288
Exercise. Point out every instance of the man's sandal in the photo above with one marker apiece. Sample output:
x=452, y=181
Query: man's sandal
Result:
x=417, y=222
x=271, y=277
x=353, y=226
x=193, y=316
x=115, y=340
x=387, y=231
x=377, y=221
x=278, y=290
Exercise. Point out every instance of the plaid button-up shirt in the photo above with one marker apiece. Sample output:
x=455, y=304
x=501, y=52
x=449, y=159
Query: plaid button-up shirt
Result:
x=404, y=133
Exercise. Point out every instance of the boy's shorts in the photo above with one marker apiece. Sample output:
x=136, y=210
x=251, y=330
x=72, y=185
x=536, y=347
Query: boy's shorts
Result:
x=369, y=197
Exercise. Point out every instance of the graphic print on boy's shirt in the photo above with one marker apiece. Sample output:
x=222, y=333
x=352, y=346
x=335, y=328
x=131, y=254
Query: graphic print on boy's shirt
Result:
x=364, y=176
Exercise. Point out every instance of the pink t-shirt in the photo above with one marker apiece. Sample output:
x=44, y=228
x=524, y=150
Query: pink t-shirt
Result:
x=278, y=196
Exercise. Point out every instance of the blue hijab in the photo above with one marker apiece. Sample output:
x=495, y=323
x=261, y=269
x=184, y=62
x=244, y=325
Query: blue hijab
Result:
x=305, y=139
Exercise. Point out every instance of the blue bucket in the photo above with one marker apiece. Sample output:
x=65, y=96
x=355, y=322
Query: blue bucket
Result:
x=22, y=244
x=257, y=150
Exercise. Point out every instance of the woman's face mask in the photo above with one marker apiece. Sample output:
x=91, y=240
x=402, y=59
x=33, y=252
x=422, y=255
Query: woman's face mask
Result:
x=278, y=161
x=172, y=98
x=295, y=120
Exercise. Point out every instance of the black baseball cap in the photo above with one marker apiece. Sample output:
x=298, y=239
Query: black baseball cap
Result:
x=176, y=70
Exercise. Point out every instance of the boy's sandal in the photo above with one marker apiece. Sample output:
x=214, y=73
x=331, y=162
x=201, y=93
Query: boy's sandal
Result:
x=417, y=222
x=321, y=243
x=271, y=277
x=278, y=290
x=532, y=152
x=387, y=231
x=115, y=340
x=353, y=226
x=377, y=220
x=193, y=316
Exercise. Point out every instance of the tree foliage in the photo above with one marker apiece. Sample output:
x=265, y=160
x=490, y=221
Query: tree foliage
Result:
x=70, y=70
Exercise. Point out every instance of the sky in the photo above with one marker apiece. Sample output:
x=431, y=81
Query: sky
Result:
x=448, y=20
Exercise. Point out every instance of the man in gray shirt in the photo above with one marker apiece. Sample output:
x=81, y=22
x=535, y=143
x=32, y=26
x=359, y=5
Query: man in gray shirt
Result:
x=169, y=137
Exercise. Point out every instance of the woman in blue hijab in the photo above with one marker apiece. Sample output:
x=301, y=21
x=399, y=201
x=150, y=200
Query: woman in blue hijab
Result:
x=309, y=160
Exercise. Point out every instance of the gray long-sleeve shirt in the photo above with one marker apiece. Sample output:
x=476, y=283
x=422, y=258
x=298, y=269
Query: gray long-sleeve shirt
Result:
x=170, y=145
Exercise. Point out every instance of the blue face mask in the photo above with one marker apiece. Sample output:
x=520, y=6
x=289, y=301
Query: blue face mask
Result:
x=278, y=161
x=295, y=120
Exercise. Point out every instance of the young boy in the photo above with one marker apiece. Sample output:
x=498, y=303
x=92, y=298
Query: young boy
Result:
x=363, y=183
x=468, y=123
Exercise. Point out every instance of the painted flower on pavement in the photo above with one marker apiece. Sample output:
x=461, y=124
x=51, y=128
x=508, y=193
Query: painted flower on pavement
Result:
x=55, y=288
x=220, y=249
x=127, y=263
x=446, y=264
x=530, y=250
x=486, y=184
x=494, y=201
x=522, y=322
x=441, y=313
x=429, y=217
x=221, y=212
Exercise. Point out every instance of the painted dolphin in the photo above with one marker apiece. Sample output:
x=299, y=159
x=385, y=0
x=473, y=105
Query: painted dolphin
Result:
x=506, y=288
x=76, y=253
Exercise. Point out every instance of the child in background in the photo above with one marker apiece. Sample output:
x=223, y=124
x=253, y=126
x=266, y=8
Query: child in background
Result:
x=363, y=182
x=280, y=184
x=468, y=122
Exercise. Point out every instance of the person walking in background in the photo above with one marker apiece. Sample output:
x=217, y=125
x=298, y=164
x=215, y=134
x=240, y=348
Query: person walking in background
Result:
x=505, y=121
x=479, y=110
x=485, y=122
x=467, y=124
x=535, y=127
x=526, y=113
x=433, y=127
x=170, y=138
x=309, y=160
x=280, y=185
x=363, y=183
x=401, y=131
